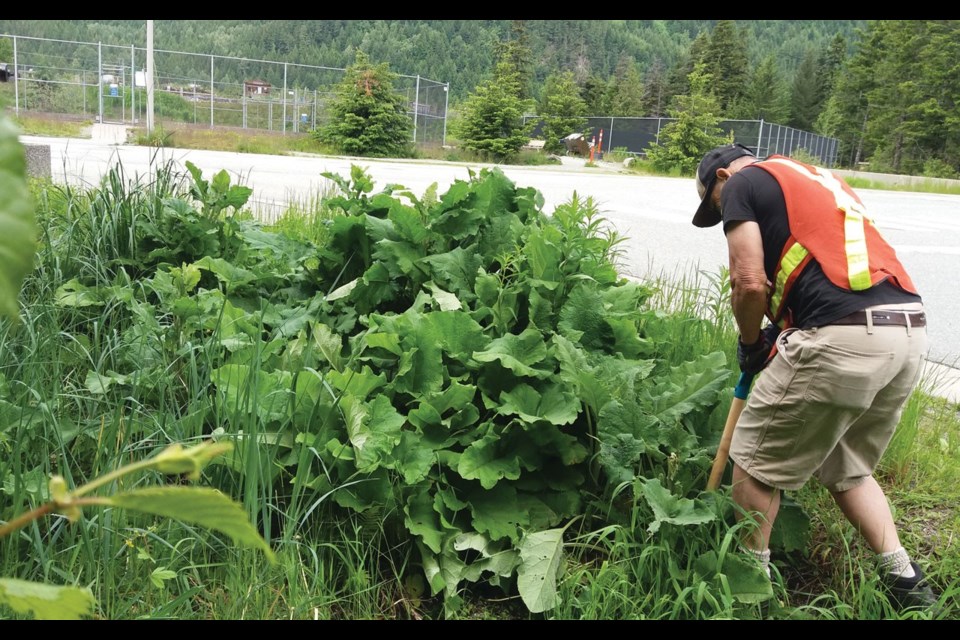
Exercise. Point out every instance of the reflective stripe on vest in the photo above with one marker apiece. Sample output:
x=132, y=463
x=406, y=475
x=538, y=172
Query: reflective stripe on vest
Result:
x=855, y=243
x=795, y=256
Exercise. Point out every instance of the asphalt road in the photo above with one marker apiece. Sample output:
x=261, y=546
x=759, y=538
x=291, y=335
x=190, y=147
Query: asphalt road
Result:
x=652, y=213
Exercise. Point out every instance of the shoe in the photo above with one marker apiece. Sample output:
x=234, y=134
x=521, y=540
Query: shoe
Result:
x=911, y=593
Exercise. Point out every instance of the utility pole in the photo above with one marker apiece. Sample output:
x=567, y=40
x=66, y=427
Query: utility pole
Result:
x=149, y=77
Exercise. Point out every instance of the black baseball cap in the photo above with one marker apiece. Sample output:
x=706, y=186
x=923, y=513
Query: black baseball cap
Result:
x=719, y=158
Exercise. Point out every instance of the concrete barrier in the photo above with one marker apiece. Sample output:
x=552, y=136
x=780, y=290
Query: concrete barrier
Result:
x=895, y=180
x=38, y=160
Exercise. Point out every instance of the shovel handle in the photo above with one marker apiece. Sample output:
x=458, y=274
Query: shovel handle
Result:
x=736, y=407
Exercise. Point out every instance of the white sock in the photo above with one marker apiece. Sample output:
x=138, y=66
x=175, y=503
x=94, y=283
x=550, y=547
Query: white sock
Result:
x=763, y=557
x=897, y=562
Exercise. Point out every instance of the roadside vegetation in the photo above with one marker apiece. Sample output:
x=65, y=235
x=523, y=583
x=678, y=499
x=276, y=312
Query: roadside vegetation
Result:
x=440, y=405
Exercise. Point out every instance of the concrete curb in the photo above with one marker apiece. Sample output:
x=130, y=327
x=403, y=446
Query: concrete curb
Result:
x=38, y=160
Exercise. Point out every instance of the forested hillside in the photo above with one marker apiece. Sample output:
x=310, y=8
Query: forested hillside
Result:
x=886, y=89
x=461, y=52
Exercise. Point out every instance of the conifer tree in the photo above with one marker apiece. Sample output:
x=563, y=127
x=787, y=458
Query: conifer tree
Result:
x=803, y=96
x=367, y=117
x=491, y=119
x=695, y=129
x=562, y=110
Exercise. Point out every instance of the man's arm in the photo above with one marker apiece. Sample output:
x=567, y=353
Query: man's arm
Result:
x=748, y=280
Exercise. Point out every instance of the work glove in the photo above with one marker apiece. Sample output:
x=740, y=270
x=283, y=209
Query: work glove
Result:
x=754, y=357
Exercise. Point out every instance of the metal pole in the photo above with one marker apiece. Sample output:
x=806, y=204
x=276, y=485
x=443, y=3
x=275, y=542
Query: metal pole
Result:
x=446, y=103
x=284, y=98
x=133, y=90
x=243, y=106
x=150, y=77
x=610, y=138
x=100, y=80
x=211, y=92
x=16, y=79
x=314, y=121
x=416, y=101
x=760, y=138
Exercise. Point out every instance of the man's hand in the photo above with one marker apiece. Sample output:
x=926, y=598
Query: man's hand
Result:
x=753, y=358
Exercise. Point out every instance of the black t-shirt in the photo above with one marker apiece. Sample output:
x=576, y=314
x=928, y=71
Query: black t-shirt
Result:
x=755, y=195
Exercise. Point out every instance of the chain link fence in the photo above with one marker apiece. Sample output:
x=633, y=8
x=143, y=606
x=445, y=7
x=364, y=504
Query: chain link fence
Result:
x=635, y=135
x=108, y=84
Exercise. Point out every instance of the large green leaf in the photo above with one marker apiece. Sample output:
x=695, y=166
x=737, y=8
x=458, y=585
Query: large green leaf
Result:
x=407, y=223
x=328, y=343
x=423, y=521
x=791, y=530
x=673, y=509
x=456, y=270
x=747, y=581
x=576, y=372
x=357, y=383
x=543, y=257
x=495, y=511
x=413, y=458
x=18, y=235
x=620, y=455
x=373, y=428
x=555, y=405
x=75, y=294
x=481, y=461
x=518, y=353
x=100, y=383
x=445, y=300
x=692, y=386
x=197, y=505
x=455, y=331
x=46, y=601
x=495, y=557
x=540, y=557
x=228, y=273
x=247, y=389
x=583, y=318
x=627, y=417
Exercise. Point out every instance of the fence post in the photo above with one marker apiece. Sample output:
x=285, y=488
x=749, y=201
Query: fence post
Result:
x=760, y=139
x=416, y=105
x=446, y=104
x=133, y=82
x=100, y=80
x=211, y=92
x=284, y=98
x=16, y=79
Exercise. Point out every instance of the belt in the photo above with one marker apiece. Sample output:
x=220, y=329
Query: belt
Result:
x=886, y=317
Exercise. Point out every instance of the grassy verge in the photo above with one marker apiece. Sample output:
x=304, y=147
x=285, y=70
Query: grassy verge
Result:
x=33, y=125
x=924, y=186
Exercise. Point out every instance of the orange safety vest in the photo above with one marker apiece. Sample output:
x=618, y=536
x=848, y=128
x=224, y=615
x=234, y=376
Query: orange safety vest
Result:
x=829, y=224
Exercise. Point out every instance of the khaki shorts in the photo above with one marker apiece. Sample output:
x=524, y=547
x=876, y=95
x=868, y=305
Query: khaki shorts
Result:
x=828, y=404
